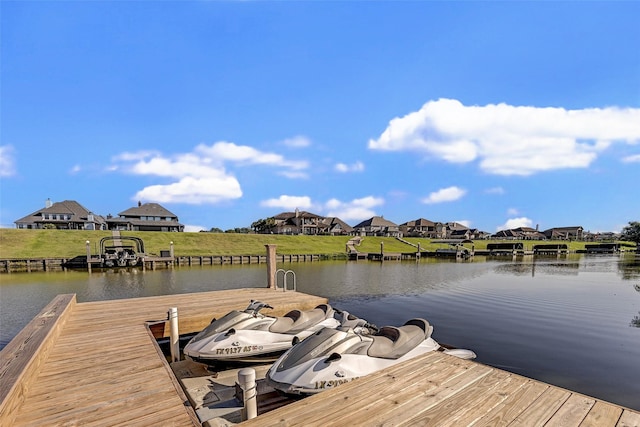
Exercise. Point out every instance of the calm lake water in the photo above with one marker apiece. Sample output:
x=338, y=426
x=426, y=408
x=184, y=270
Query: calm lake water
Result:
x=570, y=321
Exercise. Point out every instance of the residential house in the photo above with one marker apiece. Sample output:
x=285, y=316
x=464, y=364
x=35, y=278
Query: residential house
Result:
x=564, y=233
x=297, y=222
x=145, y=217
x=519, y=233
x=377, y=226
x=606, y=236
x=66, y=215
x=337, y=227
x=423, y=228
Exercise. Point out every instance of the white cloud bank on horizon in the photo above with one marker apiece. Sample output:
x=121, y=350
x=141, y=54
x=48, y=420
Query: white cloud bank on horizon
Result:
x=515, y=223
x=510, y=140
x=199, y=177
x=7, y=161
x=449, y=194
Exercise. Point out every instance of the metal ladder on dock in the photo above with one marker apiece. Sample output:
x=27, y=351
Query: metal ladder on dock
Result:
x=285, y=274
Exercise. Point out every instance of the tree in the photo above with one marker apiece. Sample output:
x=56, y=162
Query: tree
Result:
x=631, y=232
x=263, y=225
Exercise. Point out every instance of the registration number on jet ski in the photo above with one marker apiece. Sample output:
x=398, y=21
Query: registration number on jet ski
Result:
x=332, y=383
x=236, y=350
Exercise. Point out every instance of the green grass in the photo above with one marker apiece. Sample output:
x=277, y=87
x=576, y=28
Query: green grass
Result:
x=70, y=243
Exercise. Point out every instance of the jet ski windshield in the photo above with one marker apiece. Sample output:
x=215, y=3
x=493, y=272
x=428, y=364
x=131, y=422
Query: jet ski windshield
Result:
x=320, y=344
x=225, y=323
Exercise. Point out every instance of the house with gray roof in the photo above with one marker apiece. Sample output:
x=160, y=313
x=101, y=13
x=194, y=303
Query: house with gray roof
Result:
x=564, y=233
x=303, y=222
x=519, y=233
x=423, y=228
x=145, y=217
x=377, y=226
x=297, y=222
x=337, y=227
x=65, y=215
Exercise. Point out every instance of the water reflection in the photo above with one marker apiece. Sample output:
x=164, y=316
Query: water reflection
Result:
x=629, y=267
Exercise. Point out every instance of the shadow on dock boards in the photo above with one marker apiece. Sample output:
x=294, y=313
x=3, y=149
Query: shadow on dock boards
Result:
x=215, y=394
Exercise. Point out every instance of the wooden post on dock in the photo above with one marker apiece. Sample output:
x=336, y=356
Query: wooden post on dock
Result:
x=247, y=381
x=88, y=256
x=418, y=253
x=174, y=334
x=271, y=266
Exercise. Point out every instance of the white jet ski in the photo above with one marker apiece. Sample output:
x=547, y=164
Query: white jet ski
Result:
x=331, y=357
x=250, y=336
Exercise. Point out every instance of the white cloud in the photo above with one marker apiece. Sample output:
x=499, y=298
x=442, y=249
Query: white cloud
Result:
x=515, y=223
x=465, y=222
x=193, y=228
x=7, y=161
x=75, y=169
x=243, y=154
x=354, y=167
x=354, y=210
x=512, y=212
x=200, y=176
x=288, y=202
x=495, y=190
x=510, y=140
x=632, y=159
x=448, y=194
x=193, y=191
x=298, y=141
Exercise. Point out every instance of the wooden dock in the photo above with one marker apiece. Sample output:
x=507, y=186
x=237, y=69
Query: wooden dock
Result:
x=98, y=364
x=441, y=390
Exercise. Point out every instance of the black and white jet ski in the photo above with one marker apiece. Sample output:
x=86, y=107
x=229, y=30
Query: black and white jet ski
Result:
x=331, y=357
x=250, y=336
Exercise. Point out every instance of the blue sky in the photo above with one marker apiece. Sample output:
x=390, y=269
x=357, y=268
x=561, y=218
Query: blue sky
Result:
x=494, y=114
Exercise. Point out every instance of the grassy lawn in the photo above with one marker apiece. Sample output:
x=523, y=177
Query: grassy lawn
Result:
x=16, y=243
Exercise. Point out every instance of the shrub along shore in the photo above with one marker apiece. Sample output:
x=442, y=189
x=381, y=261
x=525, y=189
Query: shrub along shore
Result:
x=33, y=244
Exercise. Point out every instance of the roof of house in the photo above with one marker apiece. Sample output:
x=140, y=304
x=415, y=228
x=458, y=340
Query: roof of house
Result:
x=456, y=226
x=376, y=221
x=332, y=221
x=421, y=222
x=69, y=207
x=300, y=214
x=148, y=209
x=571, y=228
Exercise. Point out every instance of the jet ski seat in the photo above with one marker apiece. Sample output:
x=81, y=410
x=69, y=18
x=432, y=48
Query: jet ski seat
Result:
x=296, y=321
x=391, y=342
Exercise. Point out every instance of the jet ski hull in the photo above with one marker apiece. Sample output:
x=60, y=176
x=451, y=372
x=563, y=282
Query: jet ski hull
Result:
x=330, y=358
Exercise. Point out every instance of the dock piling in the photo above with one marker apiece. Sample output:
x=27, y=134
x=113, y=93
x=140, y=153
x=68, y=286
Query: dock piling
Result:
x=174, y=334
x=247, y=381
x=271, y=266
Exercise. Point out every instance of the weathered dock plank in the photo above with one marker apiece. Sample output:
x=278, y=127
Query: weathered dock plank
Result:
x=23, y=357
x=100, y=365
x=438, y=390
x=602, y=415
